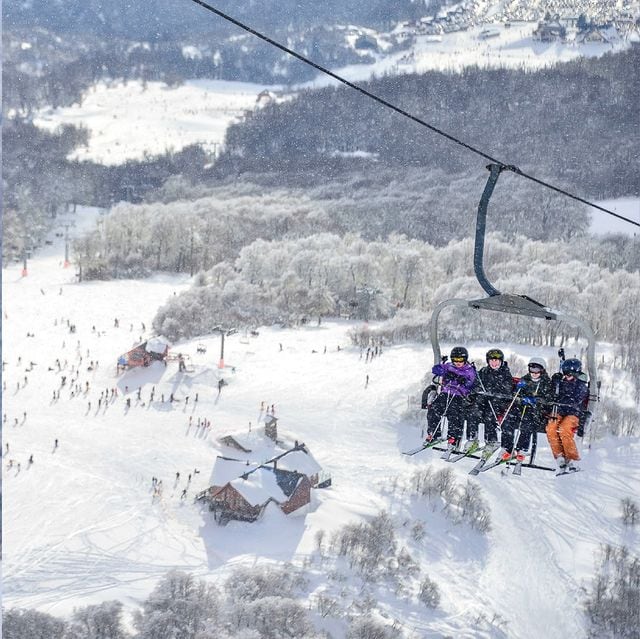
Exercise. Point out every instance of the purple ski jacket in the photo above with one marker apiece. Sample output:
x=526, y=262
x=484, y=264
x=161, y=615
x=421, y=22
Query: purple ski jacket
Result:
x=456, y=381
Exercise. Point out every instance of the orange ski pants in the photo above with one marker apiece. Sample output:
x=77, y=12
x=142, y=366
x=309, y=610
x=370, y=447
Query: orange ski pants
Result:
x=560, y=433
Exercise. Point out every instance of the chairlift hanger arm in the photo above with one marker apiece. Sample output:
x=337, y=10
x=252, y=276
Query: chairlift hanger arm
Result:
x=497, y=301
x=481, y=226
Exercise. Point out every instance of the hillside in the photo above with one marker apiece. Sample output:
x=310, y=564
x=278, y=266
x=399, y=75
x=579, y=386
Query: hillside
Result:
x=572, y=121
x=81, y=526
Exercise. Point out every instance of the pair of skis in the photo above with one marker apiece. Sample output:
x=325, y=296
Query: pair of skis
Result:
x=431, y=444
x=450, y=454
x=502, y=459
x=485, y=462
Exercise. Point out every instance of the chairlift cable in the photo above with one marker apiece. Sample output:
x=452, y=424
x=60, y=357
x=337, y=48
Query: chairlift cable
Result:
x=406, y=114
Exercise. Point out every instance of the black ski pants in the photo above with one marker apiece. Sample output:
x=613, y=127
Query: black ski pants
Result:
x=456, y=413
x=527, y=420
x=483, y=413
x=522, y=419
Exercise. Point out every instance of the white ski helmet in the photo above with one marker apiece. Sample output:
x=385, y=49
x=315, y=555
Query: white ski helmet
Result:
x=538, y=361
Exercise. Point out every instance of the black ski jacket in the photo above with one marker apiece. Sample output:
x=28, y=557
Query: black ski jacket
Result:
x=495, y=382
x=541, y=389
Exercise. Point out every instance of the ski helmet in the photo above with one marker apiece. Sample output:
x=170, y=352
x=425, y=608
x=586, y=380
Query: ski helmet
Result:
x=495, y=353
x=459, y=354
x=537, y=362
x=571, y=366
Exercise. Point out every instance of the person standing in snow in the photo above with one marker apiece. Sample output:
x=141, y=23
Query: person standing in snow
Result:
x=457, y=379
x=493, y=386
x=569, y=394
x=535, y=394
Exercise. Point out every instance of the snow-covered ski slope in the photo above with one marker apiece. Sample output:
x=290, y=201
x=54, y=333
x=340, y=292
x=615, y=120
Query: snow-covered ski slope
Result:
x=167, y=118
x=80, y=524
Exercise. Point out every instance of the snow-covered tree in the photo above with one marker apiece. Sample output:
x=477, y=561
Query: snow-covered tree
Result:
x=31, y=624
x=180, y=607
x=101, y=621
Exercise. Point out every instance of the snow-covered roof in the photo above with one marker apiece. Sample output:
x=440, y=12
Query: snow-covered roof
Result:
x=299, y=461
x=255, y=441
x=226, y=470
x=260, y=486
x=157, y=344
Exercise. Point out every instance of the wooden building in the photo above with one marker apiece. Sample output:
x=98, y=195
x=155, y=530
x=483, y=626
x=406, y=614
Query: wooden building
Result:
x=154, y=349
x=242, y=489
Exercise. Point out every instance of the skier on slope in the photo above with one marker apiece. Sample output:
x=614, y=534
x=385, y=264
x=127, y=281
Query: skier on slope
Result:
x=457, y=377
x=494, y=385
x=569, y=394
x=535, y=393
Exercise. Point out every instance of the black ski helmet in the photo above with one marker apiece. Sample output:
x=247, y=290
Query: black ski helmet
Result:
x=571, y=366
x=458, y=353
x=495, y=353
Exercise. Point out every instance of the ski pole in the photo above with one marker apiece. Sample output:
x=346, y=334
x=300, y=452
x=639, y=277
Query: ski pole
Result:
x=495, y=416
x=441, y=421
x=509, y=409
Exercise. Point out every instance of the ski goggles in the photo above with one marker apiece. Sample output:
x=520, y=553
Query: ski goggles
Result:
x=495, y=355
x=458, y=359
x=535, y=368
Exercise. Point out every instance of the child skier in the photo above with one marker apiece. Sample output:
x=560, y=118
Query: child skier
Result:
x=569, y=393
x=457, y=377
x=535, y=394
x=494, y=386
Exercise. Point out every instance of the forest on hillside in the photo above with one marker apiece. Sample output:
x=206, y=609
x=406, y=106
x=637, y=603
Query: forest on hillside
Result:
x=576, y=121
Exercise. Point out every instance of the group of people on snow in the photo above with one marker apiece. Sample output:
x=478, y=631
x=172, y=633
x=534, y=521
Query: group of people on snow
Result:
x=512, y=408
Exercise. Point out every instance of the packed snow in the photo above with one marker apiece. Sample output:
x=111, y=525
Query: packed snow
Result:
x=81, y=524
x=127, y=121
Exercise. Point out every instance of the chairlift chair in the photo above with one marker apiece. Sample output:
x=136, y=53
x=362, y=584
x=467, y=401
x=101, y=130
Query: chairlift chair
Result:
x=515, y=304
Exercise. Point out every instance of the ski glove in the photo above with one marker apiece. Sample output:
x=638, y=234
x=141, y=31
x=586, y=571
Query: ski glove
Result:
x=521, y=384
x=438, y=369
x=529, y=401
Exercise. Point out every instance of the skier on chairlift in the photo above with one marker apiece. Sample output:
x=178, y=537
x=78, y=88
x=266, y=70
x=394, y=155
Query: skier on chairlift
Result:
x=535, y=395
x=494, y=384
x=569, y=394
x=457, y=378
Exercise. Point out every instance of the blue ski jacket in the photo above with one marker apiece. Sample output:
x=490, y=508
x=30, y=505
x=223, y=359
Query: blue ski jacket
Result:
x=570, y=395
